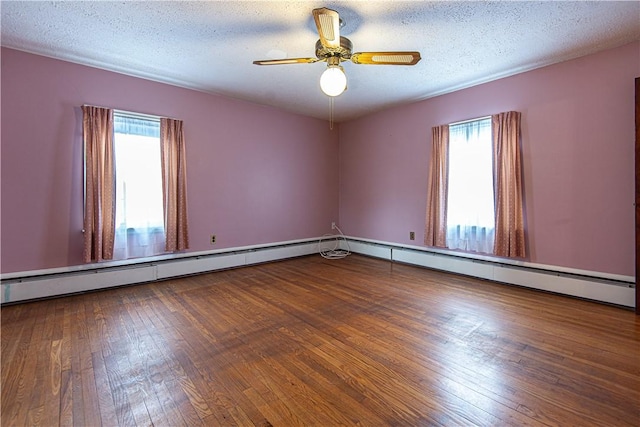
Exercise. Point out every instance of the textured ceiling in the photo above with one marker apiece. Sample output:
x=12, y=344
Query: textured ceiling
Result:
x=210, y=45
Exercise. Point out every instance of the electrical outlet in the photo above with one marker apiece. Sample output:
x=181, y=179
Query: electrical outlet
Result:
x=213, y=239
x=412, y=235
x=333, y=225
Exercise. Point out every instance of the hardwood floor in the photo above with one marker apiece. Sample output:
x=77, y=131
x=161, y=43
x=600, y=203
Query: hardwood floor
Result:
x=314, y=342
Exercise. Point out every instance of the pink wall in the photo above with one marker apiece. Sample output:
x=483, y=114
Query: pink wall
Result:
x=259, y=175
x=578, y=147
x=255, y=174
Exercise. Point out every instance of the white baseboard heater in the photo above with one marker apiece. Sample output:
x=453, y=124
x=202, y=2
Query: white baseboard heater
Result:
x=607, y=288
x=25, y=286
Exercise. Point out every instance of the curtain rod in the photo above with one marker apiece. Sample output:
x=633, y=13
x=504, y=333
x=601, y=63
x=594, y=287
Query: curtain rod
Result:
x=132, y=113
x=461, y=122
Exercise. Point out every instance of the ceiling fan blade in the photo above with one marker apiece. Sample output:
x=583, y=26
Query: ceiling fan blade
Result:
x=386, y=58
x=328, y=23
x=286, y=61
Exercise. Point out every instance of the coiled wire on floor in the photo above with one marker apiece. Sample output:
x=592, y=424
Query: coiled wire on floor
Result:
x=329, y=245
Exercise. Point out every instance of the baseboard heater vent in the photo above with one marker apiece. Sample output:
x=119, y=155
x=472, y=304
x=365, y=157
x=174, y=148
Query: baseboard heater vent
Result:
x=44, y=284
x=30, y=286
x=611, y=289
x=370, y=249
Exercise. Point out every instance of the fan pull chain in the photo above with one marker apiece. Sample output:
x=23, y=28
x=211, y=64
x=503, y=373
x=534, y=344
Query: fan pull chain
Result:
x=331, y=112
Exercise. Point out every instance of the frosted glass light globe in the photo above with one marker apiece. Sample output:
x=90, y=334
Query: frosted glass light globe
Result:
x=333, y=81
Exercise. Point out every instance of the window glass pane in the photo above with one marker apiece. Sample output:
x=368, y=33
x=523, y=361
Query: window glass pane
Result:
x=139, y=185
x=470, y=209
x=139, y=210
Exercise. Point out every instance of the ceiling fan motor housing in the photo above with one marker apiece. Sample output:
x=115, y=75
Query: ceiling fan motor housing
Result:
x=343, y=51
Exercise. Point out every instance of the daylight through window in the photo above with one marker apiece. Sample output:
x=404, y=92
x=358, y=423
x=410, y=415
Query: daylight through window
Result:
x=470, y=199
x=139, y=204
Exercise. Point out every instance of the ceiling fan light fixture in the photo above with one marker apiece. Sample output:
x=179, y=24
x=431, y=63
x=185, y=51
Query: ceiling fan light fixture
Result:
x=333, y=80
x=333, y=49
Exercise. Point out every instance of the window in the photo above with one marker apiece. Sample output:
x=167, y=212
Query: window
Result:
x=139, y=223
x=151, y=196
x=470, y=200
x=475, y=197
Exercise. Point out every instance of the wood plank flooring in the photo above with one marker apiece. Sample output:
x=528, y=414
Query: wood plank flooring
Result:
x=312, y=342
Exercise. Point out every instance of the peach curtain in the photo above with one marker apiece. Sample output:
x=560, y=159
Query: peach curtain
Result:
x=507, y=161
x=99, y=216
x=436, y=221
x=174, y=184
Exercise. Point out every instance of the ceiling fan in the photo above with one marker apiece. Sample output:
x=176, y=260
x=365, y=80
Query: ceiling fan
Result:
x=334, y=49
